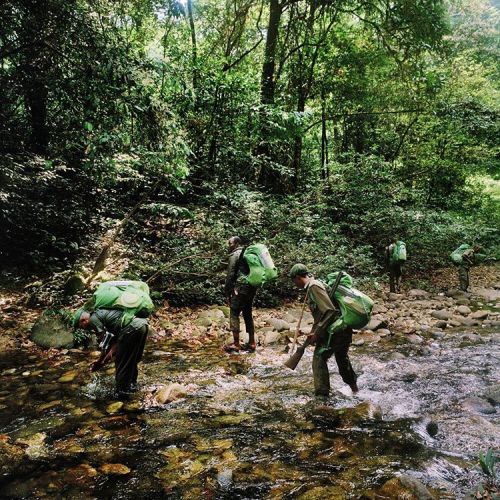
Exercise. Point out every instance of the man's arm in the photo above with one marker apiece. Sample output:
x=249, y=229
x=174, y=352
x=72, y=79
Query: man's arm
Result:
x=232, y=273
x=327, y=309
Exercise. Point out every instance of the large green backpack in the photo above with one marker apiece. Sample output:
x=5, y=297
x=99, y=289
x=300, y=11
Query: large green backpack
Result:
x=355, y=306
x=262, y=269
x=130, y=296
x=457, y=256
x=398, y=254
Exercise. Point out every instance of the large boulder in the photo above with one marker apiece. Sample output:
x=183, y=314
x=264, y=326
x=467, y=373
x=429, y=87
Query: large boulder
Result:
x=279, y=325
x=51, y=331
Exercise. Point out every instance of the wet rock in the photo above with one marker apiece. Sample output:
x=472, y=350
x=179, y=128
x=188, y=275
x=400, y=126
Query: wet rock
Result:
x=417, y=293
x=114, y=407
x=358, y=342
x=432, y=428
x=441, y=324
x=465, y=310
x=35, y=445
x=479, y=405
x=229, y=420
x=171, y=392
x=405, y=487
x=383, y=332
x=279, y=325
x=324, y=492
x=455, y=323
x=160, y=354
x=11, y=456
x=74, y=284
x=68, y=376
x=51, y=331
x=480, y=314
x=114, y=469
x=81, y=475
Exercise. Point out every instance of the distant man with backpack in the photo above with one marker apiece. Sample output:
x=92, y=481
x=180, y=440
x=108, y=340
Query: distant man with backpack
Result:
x=464, y=257
x=395, y=257
x=114, y=317
x=240, y=295
x=325, y=315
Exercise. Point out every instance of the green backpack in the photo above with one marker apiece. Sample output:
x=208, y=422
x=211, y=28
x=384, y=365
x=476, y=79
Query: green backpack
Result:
x=130, y=296
x=398, y=254
x=355, y=306
x=262, y=269
x=457, y=256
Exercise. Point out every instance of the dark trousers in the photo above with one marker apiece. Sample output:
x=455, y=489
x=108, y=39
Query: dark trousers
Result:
x=129, y=353
x=395, y=272
x=241, y=303
x=463, y=277
x=340, y=348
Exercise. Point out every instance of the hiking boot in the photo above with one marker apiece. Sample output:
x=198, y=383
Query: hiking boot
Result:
x=354, y=388
x=231, y=348
x=248, y=347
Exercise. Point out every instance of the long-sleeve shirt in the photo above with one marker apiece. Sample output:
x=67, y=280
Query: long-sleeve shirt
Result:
x=237, y=268
x=110, y=320
x=322, y=308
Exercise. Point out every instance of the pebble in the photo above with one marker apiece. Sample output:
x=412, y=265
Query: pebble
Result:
x=464, y=310
x=114, y=469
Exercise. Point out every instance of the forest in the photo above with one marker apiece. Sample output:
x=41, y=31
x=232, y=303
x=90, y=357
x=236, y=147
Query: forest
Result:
x=322, y=128
x=148, y=147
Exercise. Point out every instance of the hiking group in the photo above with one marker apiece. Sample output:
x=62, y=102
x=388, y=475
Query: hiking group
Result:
x=118, y=311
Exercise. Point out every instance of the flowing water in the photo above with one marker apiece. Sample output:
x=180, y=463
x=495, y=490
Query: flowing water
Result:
x=250, y=428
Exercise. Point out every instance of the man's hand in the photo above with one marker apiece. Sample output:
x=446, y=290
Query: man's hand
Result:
x=313, y=338
x=110, y=354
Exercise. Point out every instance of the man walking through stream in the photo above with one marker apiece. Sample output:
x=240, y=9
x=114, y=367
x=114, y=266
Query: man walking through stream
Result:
x=327, y=343
x=240, y=296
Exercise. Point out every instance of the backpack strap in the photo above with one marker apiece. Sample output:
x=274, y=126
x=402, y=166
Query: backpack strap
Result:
x=240, y=260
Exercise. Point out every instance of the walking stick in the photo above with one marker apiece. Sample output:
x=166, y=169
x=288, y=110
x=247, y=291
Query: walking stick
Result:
x=297, y=330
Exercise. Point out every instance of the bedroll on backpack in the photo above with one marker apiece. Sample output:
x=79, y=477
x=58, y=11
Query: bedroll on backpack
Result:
x=355, y=306
x=399, y=252
x=130, y=296
x=262, y=269
x=457, y=256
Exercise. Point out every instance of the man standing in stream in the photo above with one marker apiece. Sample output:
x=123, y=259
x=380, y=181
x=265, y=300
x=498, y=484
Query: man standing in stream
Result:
x=324, y=315
x=240, y=296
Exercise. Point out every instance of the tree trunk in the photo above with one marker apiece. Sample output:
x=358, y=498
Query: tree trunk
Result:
x=267, y=85
x=194, y=47
x=36, y=102
x=324, y=139
x=268, y=176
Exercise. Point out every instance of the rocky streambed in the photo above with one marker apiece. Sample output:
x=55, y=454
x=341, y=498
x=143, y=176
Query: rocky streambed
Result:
x=210, y=425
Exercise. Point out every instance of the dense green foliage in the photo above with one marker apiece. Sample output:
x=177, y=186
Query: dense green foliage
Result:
x=320, y=127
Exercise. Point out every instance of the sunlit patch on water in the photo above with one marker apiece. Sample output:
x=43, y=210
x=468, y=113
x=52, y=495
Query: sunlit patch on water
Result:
x=100, y=388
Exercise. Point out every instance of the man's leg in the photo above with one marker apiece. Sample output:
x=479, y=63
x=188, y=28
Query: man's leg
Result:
x=234, y=319
x=320, y=372
x=126, y=360
x=247, y=303
x=392, y=279
x=463, y=276
x=140, y=350
x=345, y=368
x=399, y=272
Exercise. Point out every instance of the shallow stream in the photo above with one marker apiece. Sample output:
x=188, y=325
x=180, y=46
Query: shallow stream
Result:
x=251, y=428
